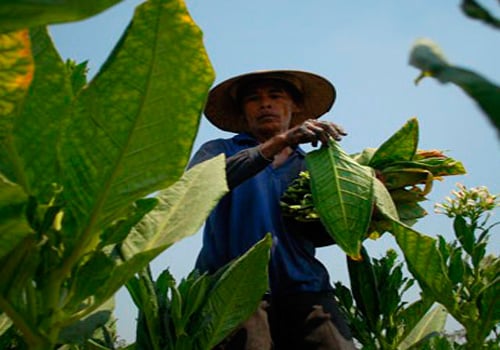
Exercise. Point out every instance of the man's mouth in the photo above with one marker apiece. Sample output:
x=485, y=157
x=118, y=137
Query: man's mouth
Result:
x=267, y=116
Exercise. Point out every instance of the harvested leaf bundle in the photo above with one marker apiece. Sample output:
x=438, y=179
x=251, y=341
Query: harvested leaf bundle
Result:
x=361, y=195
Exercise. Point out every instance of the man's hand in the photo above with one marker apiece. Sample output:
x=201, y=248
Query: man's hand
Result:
x=312, y=131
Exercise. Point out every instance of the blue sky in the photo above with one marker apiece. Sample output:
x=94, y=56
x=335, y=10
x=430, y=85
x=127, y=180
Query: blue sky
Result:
x=363, y=48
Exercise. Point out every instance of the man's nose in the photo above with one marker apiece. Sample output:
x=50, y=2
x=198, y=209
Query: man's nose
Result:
x=265, y=101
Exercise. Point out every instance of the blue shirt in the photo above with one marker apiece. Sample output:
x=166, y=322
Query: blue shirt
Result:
x=250, y=210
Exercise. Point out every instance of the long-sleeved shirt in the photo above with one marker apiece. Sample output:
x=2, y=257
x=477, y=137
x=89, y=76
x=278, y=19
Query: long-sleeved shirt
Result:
x=250, y=210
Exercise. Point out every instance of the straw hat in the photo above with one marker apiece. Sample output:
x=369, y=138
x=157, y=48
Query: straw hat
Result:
x=317, y=96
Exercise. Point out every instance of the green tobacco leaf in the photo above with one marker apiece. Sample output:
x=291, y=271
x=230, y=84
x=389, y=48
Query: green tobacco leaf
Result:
x=235, y=296
x=16, y=74
x=14, y=225
x=364, y=287
x=182, y=209
x=401, y=146
x=19, y=14
x=343, y=196
x=38, y=124
x=134, y=125
x=428, y=57
x=413, y=314
x=431, y=324
x=425, y=263
x=383, y=200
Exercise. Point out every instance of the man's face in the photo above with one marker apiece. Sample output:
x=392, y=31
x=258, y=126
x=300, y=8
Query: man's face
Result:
x=268, y=108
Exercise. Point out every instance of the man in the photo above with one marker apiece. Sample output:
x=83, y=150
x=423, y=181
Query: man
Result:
x=272, y=112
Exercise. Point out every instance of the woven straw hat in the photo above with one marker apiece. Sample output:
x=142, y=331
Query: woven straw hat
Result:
x=317, y=97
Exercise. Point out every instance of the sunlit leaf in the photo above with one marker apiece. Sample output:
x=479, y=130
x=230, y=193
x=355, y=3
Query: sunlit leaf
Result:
x=235, y=296
x=401, y=146
x=133, y=126
x=182, y=209
x=31, y=159
x=342, y=191
x=425, y=263
x=16, y=74
x=431, y=324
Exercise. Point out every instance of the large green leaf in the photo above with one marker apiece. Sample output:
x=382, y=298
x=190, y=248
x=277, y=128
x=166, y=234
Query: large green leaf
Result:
x=182, y=209
x=401, y=146
x=431, y=324
x=133, y=127
x=235, y=296
x=18, y=14
x=342, y=191
x=14, y=225
x=425, y=263
x=28, y=156
x=16, y=74
x=428, y=57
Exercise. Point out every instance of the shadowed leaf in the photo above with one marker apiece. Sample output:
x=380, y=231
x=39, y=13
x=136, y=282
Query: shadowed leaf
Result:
x=19, y=14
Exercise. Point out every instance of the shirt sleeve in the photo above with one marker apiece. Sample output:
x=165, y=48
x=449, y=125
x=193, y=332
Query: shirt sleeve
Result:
x=239, y=167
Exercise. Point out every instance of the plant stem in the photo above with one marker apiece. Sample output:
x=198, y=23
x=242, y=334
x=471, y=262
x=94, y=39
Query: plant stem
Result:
x=34, y=340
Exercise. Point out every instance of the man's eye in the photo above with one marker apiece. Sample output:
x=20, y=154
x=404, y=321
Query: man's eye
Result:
x=250, y=98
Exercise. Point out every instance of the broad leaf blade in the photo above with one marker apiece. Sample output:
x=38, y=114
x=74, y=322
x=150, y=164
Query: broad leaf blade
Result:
x=134, y=125
x=181, y=211
x=38, y=124
x=235, y=295
x=18, y=14
x=342, y=191
x=16, y=74
x=431, y=324
x=401, y=146
x=383, y=201
x=182, y=208
x=425, y=263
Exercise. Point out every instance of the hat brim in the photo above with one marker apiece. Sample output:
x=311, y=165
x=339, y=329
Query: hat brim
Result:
x=222, y=110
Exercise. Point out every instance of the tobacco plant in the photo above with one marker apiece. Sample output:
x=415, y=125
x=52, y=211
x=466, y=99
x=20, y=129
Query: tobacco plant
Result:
x=79, y=161
x=375, y=308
